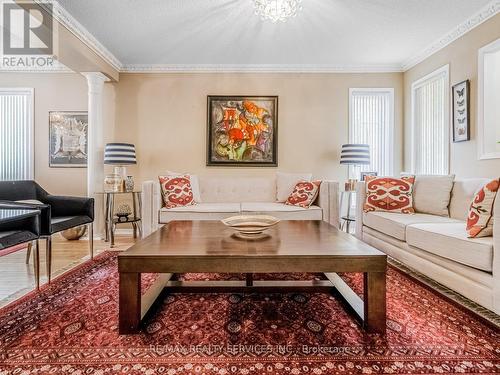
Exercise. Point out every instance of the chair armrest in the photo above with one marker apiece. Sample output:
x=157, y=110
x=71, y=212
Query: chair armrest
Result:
x=29, y=222
x=44, y=217
x=496, y=256
x=328, y=201
x=70, y=206
x=150, y=207
x=360, y=201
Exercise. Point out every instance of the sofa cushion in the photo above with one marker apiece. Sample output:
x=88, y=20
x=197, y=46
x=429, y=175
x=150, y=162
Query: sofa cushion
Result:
x=201, y=211
x=304, y=194
x=236, y=189
x=480, y=217
x=462, y=194
x=283, y=211
x=285, y=182
x=176, y=191
x=195, y=184
x=449, y=240
x=394, y=224
x=431, y=194
x=389, y=194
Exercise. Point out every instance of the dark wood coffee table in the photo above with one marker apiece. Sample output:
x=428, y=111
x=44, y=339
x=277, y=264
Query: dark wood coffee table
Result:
x=291, y=246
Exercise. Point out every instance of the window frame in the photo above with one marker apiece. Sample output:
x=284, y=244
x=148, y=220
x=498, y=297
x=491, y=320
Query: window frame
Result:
x=381, y=90
x=434, y=75
x=31, y=128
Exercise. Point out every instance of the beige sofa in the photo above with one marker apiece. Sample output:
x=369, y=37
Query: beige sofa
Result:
x=222, y=197
x=438, y=246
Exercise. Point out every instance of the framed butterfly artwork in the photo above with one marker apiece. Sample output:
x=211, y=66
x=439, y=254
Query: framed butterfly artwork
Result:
x=461, y=112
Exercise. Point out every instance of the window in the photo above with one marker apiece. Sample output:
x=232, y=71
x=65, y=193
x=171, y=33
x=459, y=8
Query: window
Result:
x=430, y=123
x=371, y=121
x=16, y=134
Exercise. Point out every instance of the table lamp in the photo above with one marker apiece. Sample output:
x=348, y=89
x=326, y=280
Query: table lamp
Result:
x=120, y=155
x=354, y=154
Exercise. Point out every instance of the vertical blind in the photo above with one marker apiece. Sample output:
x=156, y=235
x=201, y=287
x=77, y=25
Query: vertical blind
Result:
x=371, y=121
x=16, y=134
x=430, y=124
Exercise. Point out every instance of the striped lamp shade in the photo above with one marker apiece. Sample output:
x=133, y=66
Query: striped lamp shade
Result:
x=119, y=154
x=355, y=154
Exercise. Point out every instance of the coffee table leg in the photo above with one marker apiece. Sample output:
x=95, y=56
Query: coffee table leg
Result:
x=375, y=302
x=130, y=302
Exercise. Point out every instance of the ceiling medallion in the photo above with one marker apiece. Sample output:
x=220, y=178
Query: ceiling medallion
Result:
x=277, y=10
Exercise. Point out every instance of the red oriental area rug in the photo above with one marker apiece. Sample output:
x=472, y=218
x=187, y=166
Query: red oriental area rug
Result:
x=70, y=327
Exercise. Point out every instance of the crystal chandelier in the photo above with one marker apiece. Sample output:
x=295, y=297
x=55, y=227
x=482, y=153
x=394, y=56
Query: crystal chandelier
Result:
x=277, y=10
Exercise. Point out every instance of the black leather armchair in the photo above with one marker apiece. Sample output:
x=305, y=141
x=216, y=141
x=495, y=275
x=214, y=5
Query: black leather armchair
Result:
x=19, y=226
x=58, y=213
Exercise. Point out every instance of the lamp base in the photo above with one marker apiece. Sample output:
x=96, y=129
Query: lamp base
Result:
x=121, y=171
x=350, y=185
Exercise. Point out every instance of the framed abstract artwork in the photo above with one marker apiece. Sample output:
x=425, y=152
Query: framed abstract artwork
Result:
x=461, y=115
x=242, y=131
x=68, y=137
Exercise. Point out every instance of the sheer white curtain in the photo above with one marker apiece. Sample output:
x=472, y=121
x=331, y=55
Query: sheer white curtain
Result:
x=430, y=123
x=371, y=121
x=16, y=134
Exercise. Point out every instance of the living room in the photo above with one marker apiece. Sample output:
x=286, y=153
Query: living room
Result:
x=288, y=114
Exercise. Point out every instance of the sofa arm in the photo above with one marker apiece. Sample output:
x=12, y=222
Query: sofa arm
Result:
x=360, y=201
x=328, y=201
x=496, y=257
x=150, y=207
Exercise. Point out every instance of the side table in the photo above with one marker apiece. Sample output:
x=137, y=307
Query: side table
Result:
x=348, y=218
x=111, y=221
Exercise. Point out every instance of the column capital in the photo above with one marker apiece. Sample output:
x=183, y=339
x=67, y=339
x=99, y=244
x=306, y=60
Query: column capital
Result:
x=95, y=80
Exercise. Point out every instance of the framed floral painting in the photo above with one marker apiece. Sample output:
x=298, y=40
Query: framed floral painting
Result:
x=68, y=138
x=242, y=131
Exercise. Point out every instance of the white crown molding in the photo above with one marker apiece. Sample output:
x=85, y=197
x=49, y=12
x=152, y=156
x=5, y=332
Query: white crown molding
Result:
x=257, y=68
x=67, y=20
x=484, y=14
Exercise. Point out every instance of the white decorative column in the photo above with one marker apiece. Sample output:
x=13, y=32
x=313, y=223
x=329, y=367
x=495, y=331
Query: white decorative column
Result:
x=95, y=147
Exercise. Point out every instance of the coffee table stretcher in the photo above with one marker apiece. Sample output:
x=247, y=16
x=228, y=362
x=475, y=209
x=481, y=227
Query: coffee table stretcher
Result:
x=372, y=313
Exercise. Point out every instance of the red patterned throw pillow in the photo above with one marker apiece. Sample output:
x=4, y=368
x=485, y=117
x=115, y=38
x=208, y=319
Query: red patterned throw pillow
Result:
x=480, y=217
x=304, y=194
x=389, y=194
x=176, y=191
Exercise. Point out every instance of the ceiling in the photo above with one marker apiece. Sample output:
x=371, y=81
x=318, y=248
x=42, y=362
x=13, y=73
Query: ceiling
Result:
x=358, y=34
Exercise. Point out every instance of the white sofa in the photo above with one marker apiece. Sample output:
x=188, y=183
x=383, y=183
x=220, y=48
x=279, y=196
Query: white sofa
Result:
x=222, y=197
x=438, y=246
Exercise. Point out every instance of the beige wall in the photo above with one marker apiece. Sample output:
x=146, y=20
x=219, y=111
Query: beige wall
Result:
x=165, y=116
x=462, y=56
x=59, y=92
x=53, y=92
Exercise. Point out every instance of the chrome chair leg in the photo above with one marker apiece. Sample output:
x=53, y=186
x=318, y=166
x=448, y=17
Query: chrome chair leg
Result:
x=91, y=240
x=36, y=264
x=48, y=257
x=28, y=252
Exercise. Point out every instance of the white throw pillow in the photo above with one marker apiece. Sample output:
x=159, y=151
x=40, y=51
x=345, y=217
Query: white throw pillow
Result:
x=432, y=194
x=195, y=185
x=285, y=183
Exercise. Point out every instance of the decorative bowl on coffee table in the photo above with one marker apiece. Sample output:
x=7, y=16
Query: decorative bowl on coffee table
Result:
x=250, y=225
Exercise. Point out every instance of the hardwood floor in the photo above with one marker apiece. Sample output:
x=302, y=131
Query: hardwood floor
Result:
x=17, y=277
